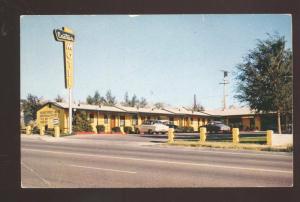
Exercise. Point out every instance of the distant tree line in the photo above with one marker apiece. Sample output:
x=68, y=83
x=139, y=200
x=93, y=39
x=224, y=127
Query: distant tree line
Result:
x=97, y=99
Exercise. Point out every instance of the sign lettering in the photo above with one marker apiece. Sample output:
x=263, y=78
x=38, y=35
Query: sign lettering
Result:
x=63, y=36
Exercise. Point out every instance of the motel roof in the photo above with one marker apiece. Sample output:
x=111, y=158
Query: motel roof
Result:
x=231, y=112
x=119, y=108
x=143, y=110
x=183, y=111
x=89, y=107
x=163, y=111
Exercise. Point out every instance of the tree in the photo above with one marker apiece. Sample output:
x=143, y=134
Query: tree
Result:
x=134, y=101
x=89, y=100
x=198, y=107
x=126, y=102
x=110, y=99
x=97, y=99
x=30, y=106
x=159, y=105
x=58, y=99
x=142, y=102
x=265, y=78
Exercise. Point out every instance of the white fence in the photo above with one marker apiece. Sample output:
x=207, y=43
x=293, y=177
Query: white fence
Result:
x=282, y=139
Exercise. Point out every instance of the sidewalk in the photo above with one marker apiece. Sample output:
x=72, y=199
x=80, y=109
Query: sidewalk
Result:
x=46, y=138
x=77, y=139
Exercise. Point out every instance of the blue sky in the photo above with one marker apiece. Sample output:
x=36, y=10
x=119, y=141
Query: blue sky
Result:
x=164, y=58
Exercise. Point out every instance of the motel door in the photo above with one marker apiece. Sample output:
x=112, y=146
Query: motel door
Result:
x=112, y=121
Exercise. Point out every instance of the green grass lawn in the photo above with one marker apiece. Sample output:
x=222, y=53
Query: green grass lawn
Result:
x=252, y=142
x=245, y=140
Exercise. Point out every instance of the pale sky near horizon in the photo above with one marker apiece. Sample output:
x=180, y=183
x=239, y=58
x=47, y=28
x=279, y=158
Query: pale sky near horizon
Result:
x=164, y=58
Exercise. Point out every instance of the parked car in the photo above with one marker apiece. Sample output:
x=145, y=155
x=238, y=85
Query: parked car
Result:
x=177, y=129
x=216, y=127
x=151, y=126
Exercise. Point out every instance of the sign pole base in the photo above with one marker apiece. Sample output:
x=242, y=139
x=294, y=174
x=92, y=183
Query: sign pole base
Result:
x=70, y=110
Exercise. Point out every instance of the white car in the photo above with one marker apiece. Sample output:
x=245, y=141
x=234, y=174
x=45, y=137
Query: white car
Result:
x=151, y=127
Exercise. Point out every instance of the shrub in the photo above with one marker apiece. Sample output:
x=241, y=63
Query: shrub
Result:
x=128, y=129
x=188, y=129
x=49, y=131
x=100, y=128
x=32, y=124
x=136, y=130
x=35, y=130
x=80, y=123
x=179, y=129
x=290, y=148
x=116, y=129
x=22, y=130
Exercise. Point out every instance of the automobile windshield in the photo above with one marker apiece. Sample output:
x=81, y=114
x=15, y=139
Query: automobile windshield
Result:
x=158, y=122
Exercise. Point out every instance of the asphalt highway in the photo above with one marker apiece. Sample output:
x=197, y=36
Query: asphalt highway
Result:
x=110, y=161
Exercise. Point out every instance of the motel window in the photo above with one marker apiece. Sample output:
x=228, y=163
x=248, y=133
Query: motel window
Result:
x=171, y=119
x=235, y=122
x=148, y=117
x=134, y=120
x=186, y=121
x=122, y=120
x=105, y=119
x=92, y=117
x=252, y=124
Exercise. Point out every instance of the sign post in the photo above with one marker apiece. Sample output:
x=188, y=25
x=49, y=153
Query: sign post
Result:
x=67, y=37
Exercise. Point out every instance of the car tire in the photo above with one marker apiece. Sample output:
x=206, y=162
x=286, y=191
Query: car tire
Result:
x=150, y=131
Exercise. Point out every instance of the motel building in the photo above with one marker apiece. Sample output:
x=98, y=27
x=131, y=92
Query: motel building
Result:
x=119, y=116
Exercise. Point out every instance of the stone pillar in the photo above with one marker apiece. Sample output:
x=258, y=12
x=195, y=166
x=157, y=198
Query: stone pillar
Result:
x=28, y=130
x=269, y=137
x=171, y=135
x=202, y=134
x=42, y=130
x=235, y=135
x=56, y=131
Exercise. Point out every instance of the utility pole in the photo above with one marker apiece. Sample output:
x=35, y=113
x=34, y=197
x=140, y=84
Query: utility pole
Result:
x=225, y=82
x=195, y=102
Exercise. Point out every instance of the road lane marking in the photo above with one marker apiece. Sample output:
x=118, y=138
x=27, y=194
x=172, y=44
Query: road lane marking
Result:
x=161, y=161
x=106, y=169
x=34, y=172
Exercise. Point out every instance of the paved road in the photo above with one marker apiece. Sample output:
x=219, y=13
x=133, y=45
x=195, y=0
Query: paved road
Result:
x=133, y=161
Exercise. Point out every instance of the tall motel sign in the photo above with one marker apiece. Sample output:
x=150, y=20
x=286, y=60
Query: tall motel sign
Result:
x=67, y=37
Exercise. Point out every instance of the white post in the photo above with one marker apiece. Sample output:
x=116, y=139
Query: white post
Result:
x=70, y=110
